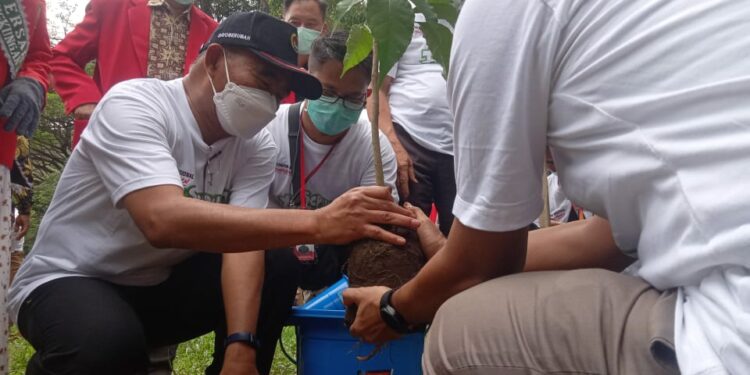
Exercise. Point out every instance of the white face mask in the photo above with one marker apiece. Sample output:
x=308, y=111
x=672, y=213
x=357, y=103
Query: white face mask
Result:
x=243, y=111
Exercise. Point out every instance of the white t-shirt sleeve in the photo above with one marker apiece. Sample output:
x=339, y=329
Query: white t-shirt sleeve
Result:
x=498, y=87
x=252, y=182
x=128, y=142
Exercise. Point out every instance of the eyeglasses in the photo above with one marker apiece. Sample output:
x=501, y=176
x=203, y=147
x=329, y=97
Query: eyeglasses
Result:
x=349, y=102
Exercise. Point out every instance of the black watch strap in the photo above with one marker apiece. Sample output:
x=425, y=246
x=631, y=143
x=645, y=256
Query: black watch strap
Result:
x=393, y=319
x=243, y=337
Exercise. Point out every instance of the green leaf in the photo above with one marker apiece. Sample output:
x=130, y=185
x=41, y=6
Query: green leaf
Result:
x=439, y=39
x=422, y=6
x=392, y=25
x=344, y=6
x=358, y=47
x=445, y=9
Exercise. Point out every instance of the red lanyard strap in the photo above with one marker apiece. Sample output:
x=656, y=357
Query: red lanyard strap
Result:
x=302, y=179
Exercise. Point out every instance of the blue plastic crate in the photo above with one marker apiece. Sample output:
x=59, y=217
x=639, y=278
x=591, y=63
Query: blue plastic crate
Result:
x=324, y=346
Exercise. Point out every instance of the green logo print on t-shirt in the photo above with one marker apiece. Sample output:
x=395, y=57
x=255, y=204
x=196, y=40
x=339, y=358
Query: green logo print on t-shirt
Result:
x=189, y=191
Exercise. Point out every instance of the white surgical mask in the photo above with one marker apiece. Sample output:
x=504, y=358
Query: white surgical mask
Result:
x=243, y=111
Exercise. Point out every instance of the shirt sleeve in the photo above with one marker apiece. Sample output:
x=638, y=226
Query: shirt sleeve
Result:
x=498, y=88
x=251, y=183
x=128, y=142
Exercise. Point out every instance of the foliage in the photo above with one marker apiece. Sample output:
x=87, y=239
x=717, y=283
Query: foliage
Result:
x=50, y=145
x=220, y=9
x=192, y=356
x=390, y=23
x=43, y=193
x=358, y=46
x=50, y=149
x=387, y=32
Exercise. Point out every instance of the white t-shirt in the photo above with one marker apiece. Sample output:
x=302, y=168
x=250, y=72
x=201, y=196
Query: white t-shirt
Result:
x=141, y=134
x=645, y=105
x=559, y=204
x=350, y=164
x=418, y=97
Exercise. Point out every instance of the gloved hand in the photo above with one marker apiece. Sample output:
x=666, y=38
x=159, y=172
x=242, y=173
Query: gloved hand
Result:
x=20, y=105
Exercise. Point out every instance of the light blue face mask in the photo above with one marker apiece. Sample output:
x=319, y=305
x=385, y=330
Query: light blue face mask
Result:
x=305, y=39
x=185, y=2
x=330, y=116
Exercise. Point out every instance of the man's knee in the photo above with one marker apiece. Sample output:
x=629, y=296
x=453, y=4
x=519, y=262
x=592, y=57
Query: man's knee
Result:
x=457, y=327
x=101, y=351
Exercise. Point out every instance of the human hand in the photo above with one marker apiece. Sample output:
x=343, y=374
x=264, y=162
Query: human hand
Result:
x=368, y=324
x=22, y=224
x=430, y=238
x=239, y=359
x=84, y=111
x=20, y=105
x=405, y=170
x=357, y=213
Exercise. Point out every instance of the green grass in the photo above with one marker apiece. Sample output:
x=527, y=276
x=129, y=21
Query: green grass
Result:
x=192, y=356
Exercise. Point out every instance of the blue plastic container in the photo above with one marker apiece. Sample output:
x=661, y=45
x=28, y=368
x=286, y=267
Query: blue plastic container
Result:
x=324, y=346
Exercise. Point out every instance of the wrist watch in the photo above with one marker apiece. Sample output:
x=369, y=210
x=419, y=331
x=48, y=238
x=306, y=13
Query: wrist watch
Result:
x=243, y=337
x=393, y=319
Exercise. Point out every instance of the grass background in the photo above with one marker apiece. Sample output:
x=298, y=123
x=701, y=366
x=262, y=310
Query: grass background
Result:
x=192, y=356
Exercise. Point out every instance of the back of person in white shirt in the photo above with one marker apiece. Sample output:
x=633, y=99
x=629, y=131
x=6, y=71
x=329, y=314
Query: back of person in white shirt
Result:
x=334, y=150
x=645, y=107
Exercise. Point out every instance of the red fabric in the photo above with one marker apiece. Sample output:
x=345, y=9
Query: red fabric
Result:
x=36, y=66
x=78, y=126
x=291, y=99
x=433, y=214
x=116, y=34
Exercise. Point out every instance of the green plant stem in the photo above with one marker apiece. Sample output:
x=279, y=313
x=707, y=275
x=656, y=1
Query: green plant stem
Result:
x=380, y=180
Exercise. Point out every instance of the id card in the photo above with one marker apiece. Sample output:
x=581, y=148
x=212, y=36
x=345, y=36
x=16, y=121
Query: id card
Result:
x=305, y=253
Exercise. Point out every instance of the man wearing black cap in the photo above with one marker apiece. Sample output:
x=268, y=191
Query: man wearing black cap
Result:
x=168, y=169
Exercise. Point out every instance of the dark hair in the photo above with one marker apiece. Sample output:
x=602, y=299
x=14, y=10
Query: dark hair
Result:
x=321, y=4
x=333, y=47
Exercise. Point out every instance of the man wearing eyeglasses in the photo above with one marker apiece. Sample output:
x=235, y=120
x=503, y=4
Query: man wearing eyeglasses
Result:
x=327, y=152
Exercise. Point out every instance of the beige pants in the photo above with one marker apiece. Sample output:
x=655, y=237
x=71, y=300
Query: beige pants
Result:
x=562, y=322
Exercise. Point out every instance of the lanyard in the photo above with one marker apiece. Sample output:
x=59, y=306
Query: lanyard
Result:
x=302, y=179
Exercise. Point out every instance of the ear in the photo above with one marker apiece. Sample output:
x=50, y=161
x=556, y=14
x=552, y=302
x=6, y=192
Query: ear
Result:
x=214, y=60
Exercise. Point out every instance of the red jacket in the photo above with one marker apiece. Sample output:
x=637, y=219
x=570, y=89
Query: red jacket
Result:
x=36, y=66
x=115, y=33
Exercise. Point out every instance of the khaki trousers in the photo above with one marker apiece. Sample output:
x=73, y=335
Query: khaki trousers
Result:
x=561, y=322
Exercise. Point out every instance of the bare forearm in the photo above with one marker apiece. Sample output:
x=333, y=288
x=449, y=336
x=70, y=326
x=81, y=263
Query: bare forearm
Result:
x=575, y=245
x=169, y=220
x=242, y=282
x=469, y=258
x=242, y=286
x=235, y=229
x=185, y=223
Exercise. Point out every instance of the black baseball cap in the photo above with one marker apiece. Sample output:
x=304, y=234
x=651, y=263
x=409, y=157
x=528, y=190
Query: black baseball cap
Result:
x=272, y=40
